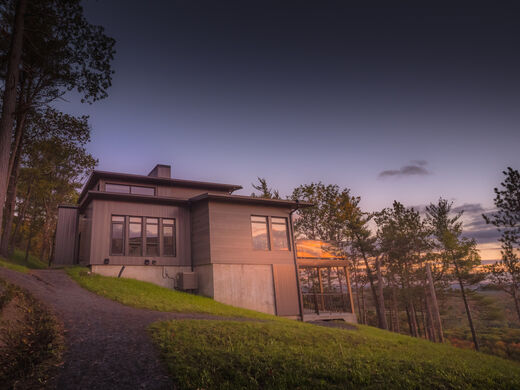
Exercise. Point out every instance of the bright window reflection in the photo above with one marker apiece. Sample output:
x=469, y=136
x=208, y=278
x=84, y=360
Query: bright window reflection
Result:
x=279, y=232
x=135, y=237
x=259, y=231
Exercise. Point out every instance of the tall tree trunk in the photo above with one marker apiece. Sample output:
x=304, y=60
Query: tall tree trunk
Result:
x=435, y=304
x=377, y=299
x=380, y=293
x=429, y=316
x=395, y=306
x=358, y=298
x=364, y=312
x=29, y=240
x=514, y=294
x=468, y=311
x=10, y=202
x=9, y=99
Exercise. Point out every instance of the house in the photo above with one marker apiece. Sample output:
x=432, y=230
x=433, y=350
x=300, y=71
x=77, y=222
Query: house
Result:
x=184, y=234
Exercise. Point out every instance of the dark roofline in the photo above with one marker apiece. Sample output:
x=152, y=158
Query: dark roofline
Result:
x=155, y=180
x=294, y=204
x=187, y=202
x=68, y=206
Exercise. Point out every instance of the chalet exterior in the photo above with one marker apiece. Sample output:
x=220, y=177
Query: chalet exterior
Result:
x=188, y=235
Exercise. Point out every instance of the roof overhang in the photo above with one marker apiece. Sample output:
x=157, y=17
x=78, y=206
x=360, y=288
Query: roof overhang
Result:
x=90, y=195
x=142, y=179
x=292, y=204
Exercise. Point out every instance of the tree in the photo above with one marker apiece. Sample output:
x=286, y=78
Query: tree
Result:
x=265, y=191
x=402, y=238
x=13, y=59
x=458, y=254
x=506, y=272
x=61, y=52
x=337, y=218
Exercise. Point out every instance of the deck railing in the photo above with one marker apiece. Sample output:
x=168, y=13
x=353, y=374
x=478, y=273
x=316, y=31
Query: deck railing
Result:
x=326, y=302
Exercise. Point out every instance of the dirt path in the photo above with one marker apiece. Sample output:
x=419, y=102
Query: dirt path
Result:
x=107, y=345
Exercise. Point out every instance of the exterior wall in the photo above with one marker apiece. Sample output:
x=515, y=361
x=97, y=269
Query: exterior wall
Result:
x=85, y=235
x=230, y=235
x=200, y=242
x=247, y=286
x=243, y=276
x=66, y=231
x=162, y=276
x=101, y=224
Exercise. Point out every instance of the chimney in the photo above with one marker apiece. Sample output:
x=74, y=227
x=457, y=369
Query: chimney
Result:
x=161, y=170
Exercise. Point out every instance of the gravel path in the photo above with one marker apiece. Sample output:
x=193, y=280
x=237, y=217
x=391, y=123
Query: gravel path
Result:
x=107, y=345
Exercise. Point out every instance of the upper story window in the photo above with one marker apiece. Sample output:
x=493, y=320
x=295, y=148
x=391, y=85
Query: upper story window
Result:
x=260, y=232
x=280, y=233
x=129, y=189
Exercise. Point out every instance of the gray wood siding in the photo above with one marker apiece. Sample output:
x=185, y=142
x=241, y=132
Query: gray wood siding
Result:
x=66, y=231
x=101, y=224
x=230, y=234
x=85, y=234
x=200, y=244
x=286, y=290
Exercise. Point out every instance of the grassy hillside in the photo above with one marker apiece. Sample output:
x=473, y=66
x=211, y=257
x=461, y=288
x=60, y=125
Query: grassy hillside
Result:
x=280, y=353
x=17, y=262
x=230, y=354
x=145, y=295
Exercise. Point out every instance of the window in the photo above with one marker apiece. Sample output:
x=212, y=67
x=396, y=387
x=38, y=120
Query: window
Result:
x=259, y=232
x=127, y=189
x=117, y=245
x=117, y=188
x=279, y=233
x=152, y=236
x=168, y=226
x=135, y=236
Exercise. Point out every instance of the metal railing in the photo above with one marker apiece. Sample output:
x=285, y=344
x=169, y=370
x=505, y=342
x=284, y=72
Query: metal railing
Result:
x=326, y=302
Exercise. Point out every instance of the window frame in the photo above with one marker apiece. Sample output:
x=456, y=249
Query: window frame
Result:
x=145, y=237
x=174, y=228
x=112, y=234
x=286, y=219
x=268, y=235
x=130, y=186
x=142, y=235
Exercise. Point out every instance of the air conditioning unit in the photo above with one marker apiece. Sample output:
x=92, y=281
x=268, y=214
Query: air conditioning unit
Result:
x=187, y=281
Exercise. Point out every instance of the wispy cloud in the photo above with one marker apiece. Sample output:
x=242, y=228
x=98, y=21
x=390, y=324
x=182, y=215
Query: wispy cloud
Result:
x=415, y=168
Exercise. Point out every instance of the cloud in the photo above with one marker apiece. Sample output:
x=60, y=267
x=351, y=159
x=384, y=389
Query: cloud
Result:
x=416, y=168
x=470, y=208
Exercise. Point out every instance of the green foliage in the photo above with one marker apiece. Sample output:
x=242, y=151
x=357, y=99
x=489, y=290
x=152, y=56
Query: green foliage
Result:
x=265, y=191
x=150, y=296
x=247, y=355
x=31, y=349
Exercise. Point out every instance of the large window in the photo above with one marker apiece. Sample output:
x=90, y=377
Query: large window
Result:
x=128, y=189
x=117, y=244
x=145, y=235
x=260, y=232
x=152, y=236
x=279, y=233
x=135, y=236
x=168, y=226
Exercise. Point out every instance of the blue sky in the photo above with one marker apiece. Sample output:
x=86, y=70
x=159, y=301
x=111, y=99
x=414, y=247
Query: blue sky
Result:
x=298, y=92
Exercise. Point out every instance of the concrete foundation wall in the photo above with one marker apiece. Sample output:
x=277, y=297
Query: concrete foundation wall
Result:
x=162, y=276
x=247, y=286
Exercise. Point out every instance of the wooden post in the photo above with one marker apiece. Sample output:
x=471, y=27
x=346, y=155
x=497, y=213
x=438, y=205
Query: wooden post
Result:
x=435, y=305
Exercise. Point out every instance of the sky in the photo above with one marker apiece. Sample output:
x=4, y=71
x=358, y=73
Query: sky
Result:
x=404, y=102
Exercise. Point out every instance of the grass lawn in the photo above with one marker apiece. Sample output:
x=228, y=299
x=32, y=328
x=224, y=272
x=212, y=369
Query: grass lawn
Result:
x=145, y=295
x=17, y=262
x=231, y=354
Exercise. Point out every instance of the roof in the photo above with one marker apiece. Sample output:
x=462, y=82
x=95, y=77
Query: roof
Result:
x=295, y=204
x=89, y=195
x=144, y=179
